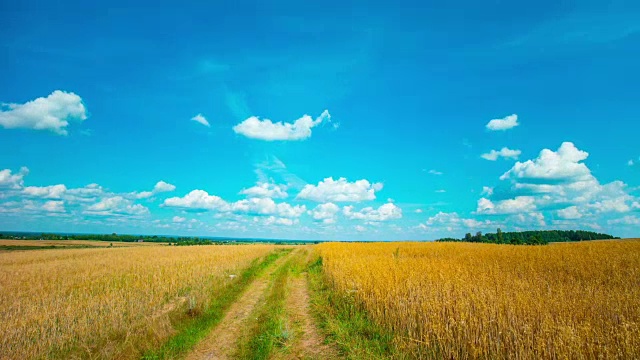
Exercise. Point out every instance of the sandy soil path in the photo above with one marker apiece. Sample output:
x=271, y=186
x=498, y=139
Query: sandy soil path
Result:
x=310, y=343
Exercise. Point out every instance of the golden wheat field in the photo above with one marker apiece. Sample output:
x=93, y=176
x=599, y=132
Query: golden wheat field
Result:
x=108, y=302
x=73, y=243
x=457, y=301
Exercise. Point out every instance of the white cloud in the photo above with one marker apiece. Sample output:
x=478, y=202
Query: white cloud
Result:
x=178, y=219
x=53, y=206
x=325, y=212
x=627, y=220
x=486, y=190
x=263, y=189
x=435, y=172
x=473, y=223
x=117, y=205
x=418, y=211
x=272, y=220
x=527, y=220
x=559, y=182
x=453, y=222
x=505, y=123
x=267, y=130
x=504, y=153
x=85, y=194
x=509, y=206
x=618, y=204
x=201, y=119
x=385, y=212
x=570, y=213
x=51, y=113
x=13, y=181
x=564, y=164
x=160, y=187
x=199, y=200
x=340, y=190
x=441, y=191
x=360, y=228
x=630, y=163
x=47, y=192
x=266, y=206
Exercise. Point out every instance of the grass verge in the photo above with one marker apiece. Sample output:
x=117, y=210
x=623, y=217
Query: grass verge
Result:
x=345, y=324
x=191, y=330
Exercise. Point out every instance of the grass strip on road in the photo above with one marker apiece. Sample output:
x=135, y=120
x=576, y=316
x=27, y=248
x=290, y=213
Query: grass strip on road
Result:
x=271, y=331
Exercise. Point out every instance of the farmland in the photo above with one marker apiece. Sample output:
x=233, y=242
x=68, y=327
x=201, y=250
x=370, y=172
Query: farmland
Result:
x=10, y=245
x=108, y=302
x=493, y=301
x=327, y=301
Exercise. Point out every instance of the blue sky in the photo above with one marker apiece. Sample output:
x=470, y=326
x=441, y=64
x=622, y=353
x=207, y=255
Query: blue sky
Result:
x=333, y=120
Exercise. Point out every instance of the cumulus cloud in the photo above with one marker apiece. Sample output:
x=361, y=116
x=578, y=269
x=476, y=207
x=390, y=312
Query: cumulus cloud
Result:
x=486, y=190
x=266, y=206
x=563, y=164
x=418, y=211
x=570, y=213
x=527, y=220
x=198, y=200
x=272, y=220
x=341, y=190
x=504, y=153
x=53, y=206
x=201, y=119
x=557, y=181
x=8, y=180
x=52, y=113
x=267, y=130
x=84, y=194
x=441, y=191
x=178, y=219
x=618, y=204
x=47, y=192
x=626, y=220
x=201, y=200
x=264, y=189
x=509, y=206
x=453, y=222
x=385, y=212
x=325, y=213
x=435, y=172
x=506, y=123
x=116, y=205
x=160, y=187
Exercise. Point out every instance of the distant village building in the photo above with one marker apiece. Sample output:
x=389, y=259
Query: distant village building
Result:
x=140, y=240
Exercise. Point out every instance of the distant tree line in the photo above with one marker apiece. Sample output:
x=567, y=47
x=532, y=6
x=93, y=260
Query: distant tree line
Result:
x=99, y=237
x=538, y=237
x=174, y=240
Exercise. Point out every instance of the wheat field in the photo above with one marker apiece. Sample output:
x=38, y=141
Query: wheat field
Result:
x=447, y=300
x=108, y=302
x=73, y=243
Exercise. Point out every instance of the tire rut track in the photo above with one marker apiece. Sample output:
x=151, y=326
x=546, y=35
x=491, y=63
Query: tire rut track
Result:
x=221, y=342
